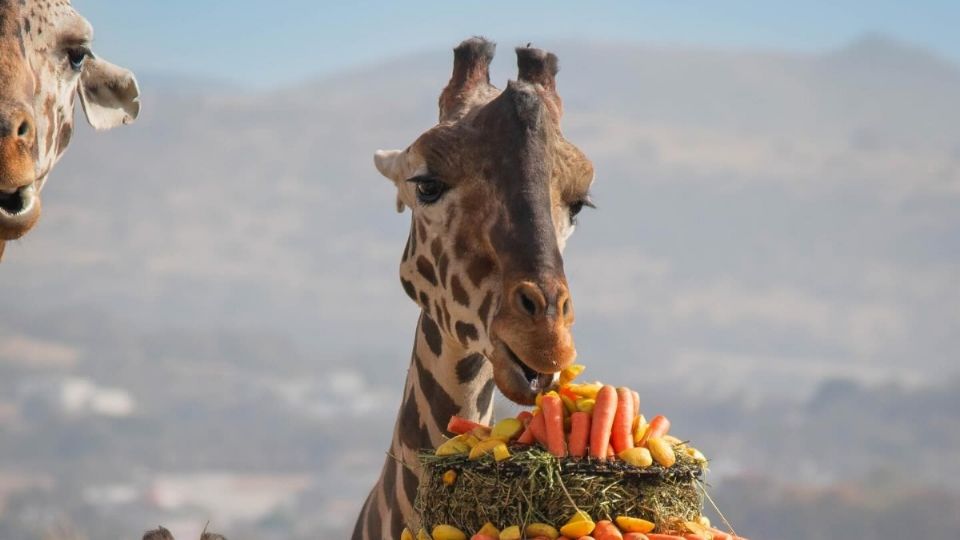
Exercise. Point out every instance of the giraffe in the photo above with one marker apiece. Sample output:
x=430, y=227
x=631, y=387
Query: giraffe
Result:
x=494, y=191
x=45, y=65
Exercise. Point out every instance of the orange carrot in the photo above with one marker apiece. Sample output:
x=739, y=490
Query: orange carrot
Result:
x=552, y=408
x=524, y=417
x=635, y=536
x=539, y=428
x=579, y=433
x=653, y=536
x=603, y=414
x=527, y=436
x=691, y=536
x=479, y=536
x=720, y=535
x=606, y=530
x=462, y=425
x=659, y=427
x=621, y=437
x=636, y=403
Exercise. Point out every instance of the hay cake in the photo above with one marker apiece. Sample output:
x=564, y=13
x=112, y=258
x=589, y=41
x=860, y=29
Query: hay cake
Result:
x=585, y=458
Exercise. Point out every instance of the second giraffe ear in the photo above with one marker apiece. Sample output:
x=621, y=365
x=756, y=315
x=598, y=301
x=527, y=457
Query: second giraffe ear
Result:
x=397, y=166
x=388, y=162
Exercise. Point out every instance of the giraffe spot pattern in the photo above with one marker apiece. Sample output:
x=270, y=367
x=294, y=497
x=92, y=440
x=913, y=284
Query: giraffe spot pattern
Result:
x=396, y=523
x=460, y=295
x=479, y=268
x=484, y=310
x=425, y=301
x=389, y=475
x=359, y=528
x=446, y=314
x=436, y=248
x=466, y=332
x=409, y=289
x=432, y=336
x=413, y=434
x=443, y=265
x=421, y=230
x=374, y=525
x=437, y=313
x=442, y=405
x=485, y=397
x=410, y=484
x=426, y=270
x=469, y=367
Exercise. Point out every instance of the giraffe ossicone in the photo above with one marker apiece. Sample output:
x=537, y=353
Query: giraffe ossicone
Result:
x=46, y=64
x=494, y=190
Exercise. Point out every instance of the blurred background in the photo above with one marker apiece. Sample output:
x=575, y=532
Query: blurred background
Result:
x=207, y=323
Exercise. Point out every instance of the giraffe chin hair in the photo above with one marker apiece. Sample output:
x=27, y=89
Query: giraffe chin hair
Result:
x=515, y=379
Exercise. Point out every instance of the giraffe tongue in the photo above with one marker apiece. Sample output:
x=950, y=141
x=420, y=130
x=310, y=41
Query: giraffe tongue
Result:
x=537, y=381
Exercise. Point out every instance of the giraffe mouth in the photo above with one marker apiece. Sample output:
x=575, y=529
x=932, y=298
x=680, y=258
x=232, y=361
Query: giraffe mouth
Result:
x=519, y=382
x=17, y=201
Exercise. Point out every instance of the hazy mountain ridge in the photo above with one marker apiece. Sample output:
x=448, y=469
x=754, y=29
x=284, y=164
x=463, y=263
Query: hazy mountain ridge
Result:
x=774, y=263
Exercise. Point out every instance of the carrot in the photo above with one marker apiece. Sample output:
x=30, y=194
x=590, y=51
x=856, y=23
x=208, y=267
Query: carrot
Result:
x=462, y=425
x=653, y=536
x=552, y=408
x=603, y=415
x=659, y=427
x=479, y=536
x=635, y=536
x=538, y=428
x=527, y=436
x=691, y=536
x=524, y=417
x=636, y=403
x=579, y=433
x=606, y=530
x=622, y=436
x=720, y=535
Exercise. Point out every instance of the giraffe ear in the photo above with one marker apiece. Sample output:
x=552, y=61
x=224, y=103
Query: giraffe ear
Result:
x=392, y=164
x=109, y=94
x=387, y=162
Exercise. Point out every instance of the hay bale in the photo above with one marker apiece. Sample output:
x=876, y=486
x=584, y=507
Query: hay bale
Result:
x=533, y=486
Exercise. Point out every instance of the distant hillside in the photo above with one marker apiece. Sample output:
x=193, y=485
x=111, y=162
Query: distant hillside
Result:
x=752, y=205
x=774, y=263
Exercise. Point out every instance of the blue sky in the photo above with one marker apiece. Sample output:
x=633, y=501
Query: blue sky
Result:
x=269, y=43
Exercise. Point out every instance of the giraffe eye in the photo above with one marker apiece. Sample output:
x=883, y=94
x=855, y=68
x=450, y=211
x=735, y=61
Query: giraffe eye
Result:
x=429, y=189
x=77, y=56
x=577, y=206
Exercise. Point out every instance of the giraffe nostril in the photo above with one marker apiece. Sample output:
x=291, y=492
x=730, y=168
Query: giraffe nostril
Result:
x=565, y=308
x=24, y=129
x=528, y=305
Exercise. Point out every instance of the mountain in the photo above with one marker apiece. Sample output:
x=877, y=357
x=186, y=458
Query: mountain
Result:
x=775, y=253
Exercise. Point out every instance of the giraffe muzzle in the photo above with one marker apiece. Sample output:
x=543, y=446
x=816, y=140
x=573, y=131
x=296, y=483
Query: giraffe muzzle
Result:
x=19, y=194
x=532, y=338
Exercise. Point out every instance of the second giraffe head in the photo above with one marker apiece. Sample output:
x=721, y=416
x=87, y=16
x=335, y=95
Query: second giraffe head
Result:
x=494, y=189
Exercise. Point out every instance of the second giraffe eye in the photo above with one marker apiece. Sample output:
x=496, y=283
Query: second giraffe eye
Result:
x=77, y=56
x=429, y=190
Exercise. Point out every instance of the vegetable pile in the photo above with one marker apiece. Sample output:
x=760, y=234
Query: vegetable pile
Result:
x=576, y=420
x=584, y=452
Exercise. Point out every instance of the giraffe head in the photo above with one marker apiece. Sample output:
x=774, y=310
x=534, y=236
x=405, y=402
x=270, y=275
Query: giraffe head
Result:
x=45, y=65
x=494, y=189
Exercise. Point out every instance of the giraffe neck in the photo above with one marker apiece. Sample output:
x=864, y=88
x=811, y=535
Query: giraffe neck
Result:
x=443, y=380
